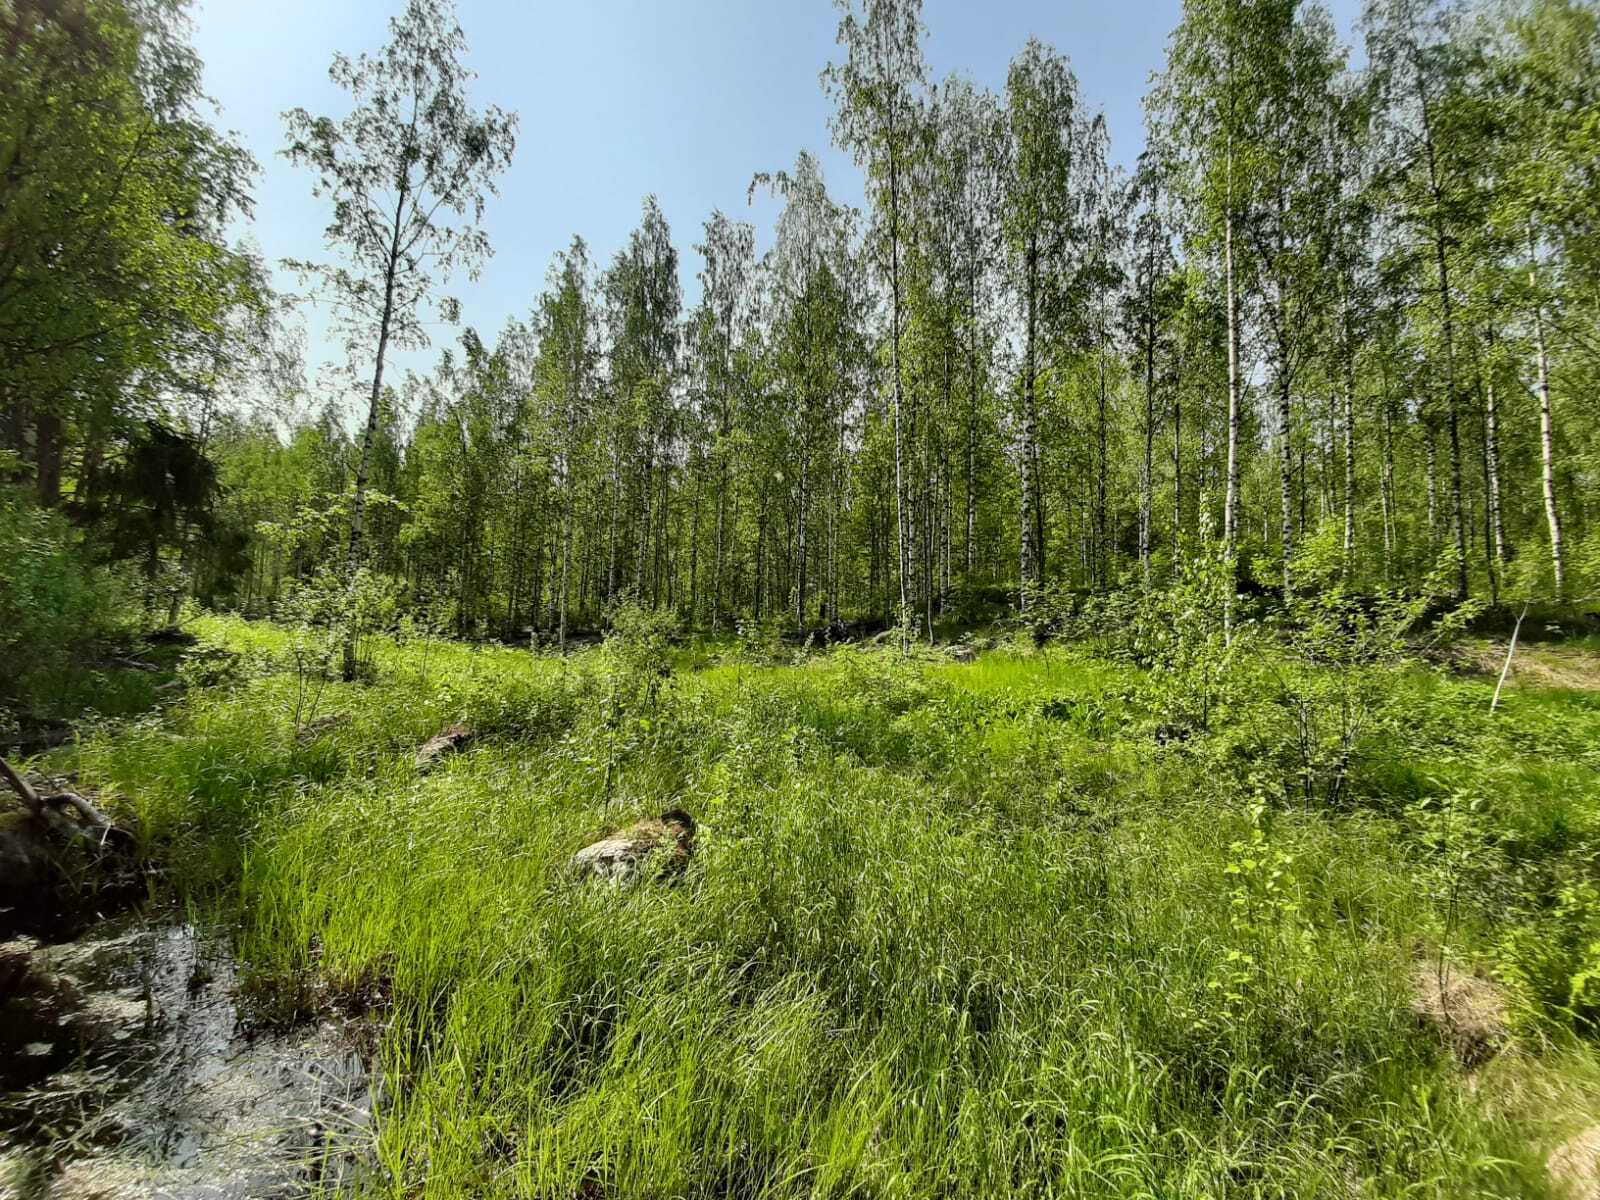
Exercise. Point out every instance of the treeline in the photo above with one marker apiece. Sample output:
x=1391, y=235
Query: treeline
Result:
x=1336, y=307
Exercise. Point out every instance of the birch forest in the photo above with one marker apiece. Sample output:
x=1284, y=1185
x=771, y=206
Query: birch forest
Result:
x=1344, y=306
x=995, y=662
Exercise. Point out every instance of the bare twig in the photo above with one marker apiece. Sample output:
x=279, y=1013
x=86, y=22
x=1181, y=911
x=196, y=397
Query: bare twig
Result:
x=1510, y=650
x=96, y=826
x=22, y=788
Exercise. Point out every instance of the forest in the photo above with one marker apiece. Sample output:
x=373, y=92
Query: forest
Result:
x=1330, y=304
x=1115, y=652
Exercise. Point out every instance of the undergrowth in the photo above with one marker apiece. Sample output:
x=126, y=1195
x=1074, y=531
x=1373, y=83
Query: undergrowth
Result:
x=1058, y=922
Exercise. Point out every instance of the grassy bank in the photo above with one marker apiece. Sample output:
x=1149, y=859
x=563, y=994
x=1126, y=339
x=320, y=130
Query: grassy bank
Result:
x=950, y=930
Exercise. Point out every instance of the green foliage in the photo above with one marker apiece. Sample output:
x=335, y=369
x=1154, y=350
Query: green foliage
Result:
x=758, y=641
x=326, y=614
x=56, y=602
x=1552, y=958
x=1197, y=655
x=934, y=909
x=1264, y=925
x=1331, y=688
x=1135, y=916
x=119, y=292
x=636, y=654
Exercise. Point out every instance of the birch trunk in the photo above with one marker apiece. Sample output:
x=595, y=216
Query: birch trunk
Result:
x=358, y=506
x=1547, y=452
x=1491, y=453
x=1029, y=551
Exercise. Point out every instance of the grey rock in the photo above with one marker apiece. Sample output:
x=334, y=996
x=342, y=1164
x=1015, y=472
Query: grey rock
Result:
x=451, y=741
x=667, y=840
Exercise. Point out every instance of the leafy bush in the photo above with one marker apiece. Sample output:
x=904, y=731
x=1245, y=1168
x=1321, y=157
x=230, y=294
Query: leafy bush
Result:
x=1552, y=959
x=1196, y=655
x=55, y=601
x=973, y=603
x=327, y=612
x=1332, y=685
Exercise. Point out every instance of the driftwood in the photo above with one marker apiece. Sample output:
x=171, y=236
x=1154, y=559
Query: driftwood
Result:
x=52, y=811
x=669, y=838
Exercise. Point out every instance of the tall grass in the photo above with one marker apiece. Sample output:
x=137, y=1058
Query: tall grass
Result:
x=950, y=931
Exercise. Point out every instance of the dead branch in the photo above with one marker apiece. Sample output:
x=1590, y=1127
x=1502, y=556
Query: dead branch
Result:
x=23, y=789
x=1505, y=670
x=49, y=809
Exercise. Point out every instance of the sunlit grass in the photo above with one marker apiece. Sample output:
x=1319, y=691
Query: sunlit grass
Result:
x=950, y=930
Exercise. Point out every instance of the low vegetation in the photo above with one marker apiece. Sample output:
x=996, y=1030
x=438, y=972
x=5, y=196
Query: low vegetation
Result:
x=1042, y=922
x=1069, y=673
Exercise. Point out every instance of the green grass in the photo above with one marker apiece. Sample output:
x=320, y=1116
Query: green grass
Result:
x=950, y=931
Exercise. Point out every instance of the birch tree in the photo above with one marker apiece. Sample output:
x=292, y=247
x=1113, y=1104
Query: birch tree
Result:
x=407, y=170
x=1043, y=231
x=878, y=92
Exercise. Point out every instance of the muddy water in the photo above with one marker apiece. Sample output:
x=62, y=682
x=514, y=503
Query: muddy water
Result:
x=126, y=1073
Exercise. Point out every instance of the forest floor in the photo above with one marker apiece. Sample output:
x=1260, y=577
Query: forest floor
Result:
x=981, y=928
x=1549, y=665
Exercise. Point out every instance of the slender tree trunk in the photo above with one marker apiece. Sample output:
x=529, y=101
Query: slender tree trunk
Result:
x=1230, y=504
x=1386, y=479
x=902, y=550
x=1547, y=448
x=968, y=542
x=1031, y=549
x=1285, y=474
x=800, y=581
x=694, y=546
x=722, y=513
x=761, y=560
x=1349, y=460
x=611, y=535
x=930, y=533
x=47, y=456
x=568, y=501
x=947, y=413
x=358, y=508
x=839, y=480
x=1177, y=473
x=1458, y=524
x=1147, y=482
x=941, y=554
x=1490, y=562
x=1491, y=459
x=1102, y=549
x=1433, y=487
x=642, y=551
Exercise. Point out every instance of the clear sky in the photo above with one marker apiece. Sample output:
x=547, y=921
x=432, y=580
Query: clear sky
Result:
x=619, y=98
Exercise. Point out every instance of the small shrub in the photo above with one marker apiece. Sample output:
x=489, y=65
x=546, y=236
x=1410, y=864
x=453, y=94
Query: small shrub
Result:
x=1333, y=687
x=1552, y=958
x=1183, y=635
x=55, y=601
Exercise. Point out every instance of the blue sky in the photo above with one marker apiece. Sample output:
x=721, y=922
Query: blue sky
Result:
x=618, y=98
